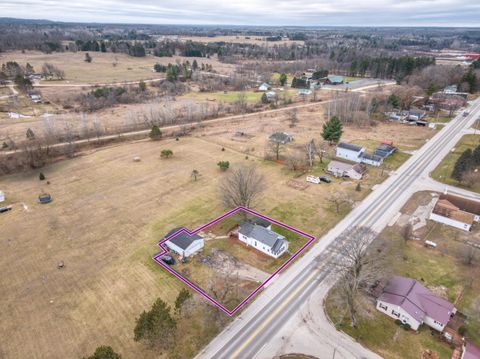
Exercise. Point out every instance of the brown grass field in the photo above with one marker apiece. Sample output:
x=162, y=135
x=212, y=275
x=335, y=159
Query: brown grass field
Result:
x=105, y=68
x=255, y=40
x=107, y=216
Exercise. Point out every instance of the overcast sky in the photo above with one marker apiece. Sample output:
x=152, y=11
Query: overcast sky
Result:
x=252, y=12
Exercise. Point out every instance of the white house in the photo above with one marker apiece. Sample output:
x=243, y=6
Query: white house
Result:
x=2, y=197
x=183, y=243
x=263, y=87
x=456, y=211
x=357, y=154
x=410, y=302
x=342, y=169
x=349, y=152
x=262, y=238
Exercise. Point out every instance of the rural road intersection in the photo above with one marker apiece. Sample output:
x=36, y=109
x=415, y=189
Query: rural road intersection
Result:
x=273, y=323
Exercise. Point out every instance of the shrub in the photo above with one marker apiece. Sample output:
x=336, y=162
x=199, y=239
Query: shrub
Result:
x=398, y=322
x=104, y=352
x=166, y=153
x=224, y=165
x=462, y=330
x=155, y=133
x=41, y=176
x=407, y=326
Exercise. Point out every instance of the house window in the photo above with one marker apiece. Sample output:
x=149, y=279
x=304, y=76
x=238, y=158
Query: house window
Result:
x=255, y=243
x=396, y=314
x=383, y=306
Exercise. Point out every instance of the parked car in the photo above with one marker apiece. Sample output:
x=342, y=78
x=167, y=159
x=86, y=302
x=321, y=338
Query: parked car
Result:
x=168, y=260
x=325, y=179
x=313, y=179
x=466, y=113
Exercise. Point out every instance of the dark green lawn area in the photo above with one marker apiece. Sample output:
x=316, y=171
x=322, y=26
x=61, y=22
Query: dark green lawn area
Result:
x=444, y=170
x=442, y=270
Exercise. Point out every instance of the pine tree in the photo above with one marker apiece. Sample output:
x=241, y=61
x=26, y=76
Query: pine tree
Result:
x=283, y=79
x=332, y=130
x=462, y=165
x=155, y=133
x=104, y=352
x=30, y=134
x=431, y=88
x=476, y=156
x=264, y=98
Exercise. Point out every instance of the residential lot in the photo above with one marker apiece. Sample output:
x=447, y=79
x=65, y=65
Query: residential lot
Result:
x=444, y=170
x=442, y=269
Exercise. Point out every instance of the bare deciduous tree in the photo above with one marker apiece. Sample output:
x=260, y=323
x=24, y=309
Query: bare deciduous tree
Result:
x=468, y=254
x=311, y=150
x=241, y=187
x=338, y=198
x=357, y=267
x=407, y=232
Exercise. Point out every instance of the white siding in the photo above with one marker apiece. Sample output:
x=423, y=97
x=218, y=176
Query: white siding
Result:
x=433, y=324
x=402, y=315
x=2, y=196
x=348, y=154
x=260, y=246
x=449, y=221
x=192, y=249
x=370, y=162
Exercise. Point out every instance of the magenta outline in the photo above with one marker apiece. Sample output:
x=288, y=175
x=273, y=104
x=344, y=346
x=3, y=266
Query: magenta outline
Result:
x=198, y=289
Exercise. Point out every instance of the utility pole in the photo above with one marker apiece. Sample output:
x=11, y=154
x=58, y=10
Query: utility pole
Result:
x=334, y=351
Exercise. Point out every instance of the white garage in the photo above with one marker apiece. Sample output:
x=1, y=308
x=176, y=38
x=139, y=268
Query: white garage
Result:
x=183, y=243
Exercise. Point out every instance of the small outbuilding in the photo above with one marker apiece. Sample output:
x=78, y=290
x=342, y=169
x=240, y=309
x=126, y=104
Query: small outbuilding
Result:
x=183, y=243
x=264, y=87
x=2, y=197
x=281, y=137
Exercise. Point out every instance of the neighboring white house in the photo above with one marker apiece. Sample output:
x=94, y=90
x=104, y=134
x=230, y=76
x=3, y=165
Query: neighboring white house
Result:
x=357, y=154
x=410, y=302
x=342, y=169
x=456, y=211
x=349, y=152
x=183, y=243
x=262, y=238
x=2, y=197
x=264, y=87
x=281, y=137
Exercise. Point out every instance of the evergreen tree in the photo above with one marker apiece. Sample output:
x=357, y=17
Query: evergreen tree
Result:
x=463, y=164
x=155, y=133
x=224, y=165
x=156, y=326
x=142, y=86
x=332, y=130
x=104, y=352
x=431, y=88
x=393, y=101
x=30, y=134
x=195, y=65
x=471, y=79
x=88, y=58
x=182, y=297
x=166, y=153
x=476, y=156
x=283, y=79
x=264, y=98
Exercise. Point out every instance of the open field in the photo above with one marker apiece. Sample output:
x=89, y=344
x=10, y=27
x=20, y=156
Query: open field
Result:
x=109, y=276
x=105, y=68
x=444, y=170
x=256, y=40
x=442, y=270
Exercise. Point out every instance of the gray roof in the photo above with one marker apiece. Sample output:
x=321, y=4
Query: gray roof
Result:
x=260, y=221
x=263, y=235
x=281, y=137
x=183, y=239
x=416, y=300
x=371, y=157
x=350, y=146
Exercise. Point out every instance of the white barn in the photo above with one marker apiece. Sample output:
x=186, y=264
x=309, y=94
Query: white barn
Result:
x=262, y=238
x=410, y=302
x=183, y=243
x=349, y=152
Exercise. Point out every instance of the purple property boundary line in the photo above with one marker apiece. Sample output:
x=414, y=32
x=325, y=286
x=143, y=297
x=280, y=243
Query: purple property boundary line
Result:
x=157, y=259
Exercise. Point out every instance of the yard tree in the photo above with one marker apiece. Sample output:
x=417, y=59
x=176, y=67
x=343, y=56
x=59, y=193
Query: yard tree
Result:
x=338, y=198
x=332, y=130
x=88, y=58
x=264, y=98
x=30, y=134
x=223, y=165
x=275, y=148
x=283, y=79
x=155, y=133
x=166, y=153
x=41, y=176
x=142, y=86
x=195, y=65
x=407, y=232
x=462, y=165
x=431, y=88
x=358, y=267
x=156, y=327
x=104, y=352
x=195, y=174
x=393, y=101
x=471, y=178
x=476, y=156
x=182, y=297
x=241, y=187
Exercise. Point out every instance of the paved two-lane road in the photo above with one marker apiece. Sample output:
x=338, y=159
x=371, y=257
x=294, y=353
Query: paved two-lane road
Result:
x=251, y=332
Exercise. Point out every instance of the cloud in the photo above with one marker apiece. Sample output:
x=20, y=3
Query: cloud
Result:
x=253, y=12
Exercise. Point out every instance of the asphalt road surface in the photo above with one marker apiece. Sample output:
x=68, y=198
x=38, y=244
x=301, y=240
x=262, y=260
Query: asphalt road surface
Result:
x=272, y=309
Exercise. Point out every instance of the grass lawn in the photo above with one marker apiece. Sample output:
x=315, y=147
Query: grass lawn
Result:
x=225, y=96
x=444, y=170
